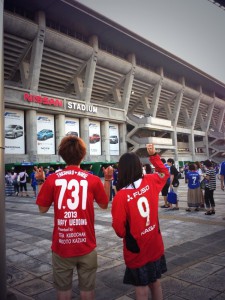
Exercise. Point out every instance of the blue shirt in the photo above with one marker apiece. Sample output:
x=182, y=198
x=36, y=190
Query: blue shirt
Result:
x=193, y=180
x=33, y=179
x=168, y=167
x=222, y=169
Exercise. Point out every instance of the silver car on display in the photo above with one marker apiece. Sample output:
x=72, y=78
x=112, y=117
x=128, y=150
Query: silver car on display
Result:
x=13, y=131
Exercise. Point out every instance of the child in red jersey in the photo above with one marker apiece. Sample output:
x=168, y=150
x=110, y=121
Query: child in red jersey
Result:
x=73, y=191
x=135, y=219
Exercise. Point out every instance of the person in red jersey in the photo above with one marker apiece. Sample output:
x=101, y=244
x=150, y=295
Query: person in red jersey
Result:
x=135, y=219
x=73, y=191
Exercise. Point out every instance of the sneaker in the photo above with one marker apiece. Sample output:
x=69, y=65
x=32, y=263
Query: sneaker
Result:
x=164, y=206
x=208, y=213
x=188, y=209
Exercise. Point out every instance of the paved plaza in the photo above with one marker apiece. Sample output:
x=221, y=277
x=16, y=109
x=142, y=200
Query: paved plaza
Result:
x=194, y=243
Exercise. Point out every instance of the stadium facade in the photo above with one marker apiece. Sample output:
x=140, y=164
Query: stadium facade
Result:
x=70, y=70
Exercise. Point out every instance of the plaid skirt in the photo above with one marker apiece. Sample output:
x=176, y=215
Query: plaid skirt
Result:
x=146, y=274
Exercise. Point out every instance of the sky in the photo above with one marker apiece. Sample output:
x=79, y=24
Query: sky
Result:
x=193, y=30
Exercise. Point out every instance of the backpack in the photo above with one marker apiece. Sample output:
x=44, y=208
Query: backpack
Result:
x=176, y=176
x=22, y=178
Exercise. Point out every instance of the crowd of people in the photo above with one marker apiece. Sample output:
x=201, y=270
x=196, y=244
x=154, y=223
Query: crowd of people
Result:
x=134, y=190
x=200, y=178
x=16, y=182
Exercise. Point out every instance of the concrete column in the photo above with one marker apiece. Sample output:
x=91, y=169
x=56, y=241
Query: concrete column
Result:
x=220, y=120
x=177, y=107
x=123, y=134
x=84, y=134
x=36, y=54
x=195, y=108
x=59, y=131
x=206, y=143
x=2, y=166
x=105, y=140
x=129, y=82
x=206, y=120
x=155, y=98
x=174, y=138
x=31, y=134
x=191, y=142
x=90, y=71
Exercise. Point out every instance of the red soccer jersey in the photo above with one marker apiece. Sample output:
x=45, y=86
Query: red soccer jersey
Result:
x=139, y=206
x=72, y=191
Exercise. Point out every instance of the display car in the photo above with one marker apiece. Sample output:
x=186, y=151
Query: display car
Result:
x=44, y=134
x=94, y=138
x=72, y=133
x=13, y=131
x=113, y=139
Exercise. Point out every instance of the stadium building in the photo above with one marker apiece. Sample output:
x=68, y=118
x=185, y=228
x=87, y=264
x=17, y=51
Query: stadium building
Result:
x=70, y=70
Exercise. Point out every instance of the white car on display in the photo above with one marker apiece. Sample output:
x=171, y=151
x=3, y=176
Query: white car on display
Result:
x=113, y=139
x=13, y=131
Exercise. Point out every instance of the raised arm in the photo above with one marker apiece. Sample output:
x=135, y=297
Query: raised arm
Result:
x=108, y=177
x=154, y=158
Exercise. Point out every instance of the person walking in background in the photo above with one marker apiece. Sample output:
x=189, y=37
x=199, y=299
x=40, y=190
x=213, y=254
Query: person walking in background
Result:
x=15, y=182
x=165, y=188
x=73, y=192
x=143, y=169
x=148, y=169
x=210, y=187
x=23, y=182
x=33, y=181
x=194, y=191
x=9, y=188
x=59, y=168
x=199, y=170
x=51, y=171
x=174, y=182
x=90, y=169
x=222, y=175
x=135, y=220
x=115, y=178
x=185, y=172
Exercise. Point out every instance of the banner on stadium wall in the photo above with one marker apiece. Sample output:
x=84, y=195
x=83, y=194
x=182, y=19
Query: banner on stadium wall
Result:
x=45, y=134
x=114, y=139
x=72, y=126
x=94, y=138
x=14, y=132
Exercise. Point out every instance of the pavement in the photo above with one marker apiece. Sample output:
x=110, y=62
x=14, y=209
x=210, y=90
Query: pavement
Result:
x=194, y=249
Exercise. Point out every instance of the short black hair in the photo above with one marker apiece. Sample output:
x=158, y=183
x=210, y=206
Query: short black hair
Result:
x=170, y=160
x=208, y=163
x=192, y=167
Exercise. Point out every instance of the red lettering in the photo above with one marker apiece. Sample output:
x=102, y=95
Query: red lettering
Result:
x=52, y=102
x=28, y=97
x=37, y=99
x=43, y=100
x=58, y=103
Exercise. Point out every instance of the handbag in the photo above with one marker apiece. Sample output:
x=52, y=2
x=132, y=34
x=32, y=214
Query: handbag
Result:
x=202, y=184
x=172, y=197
